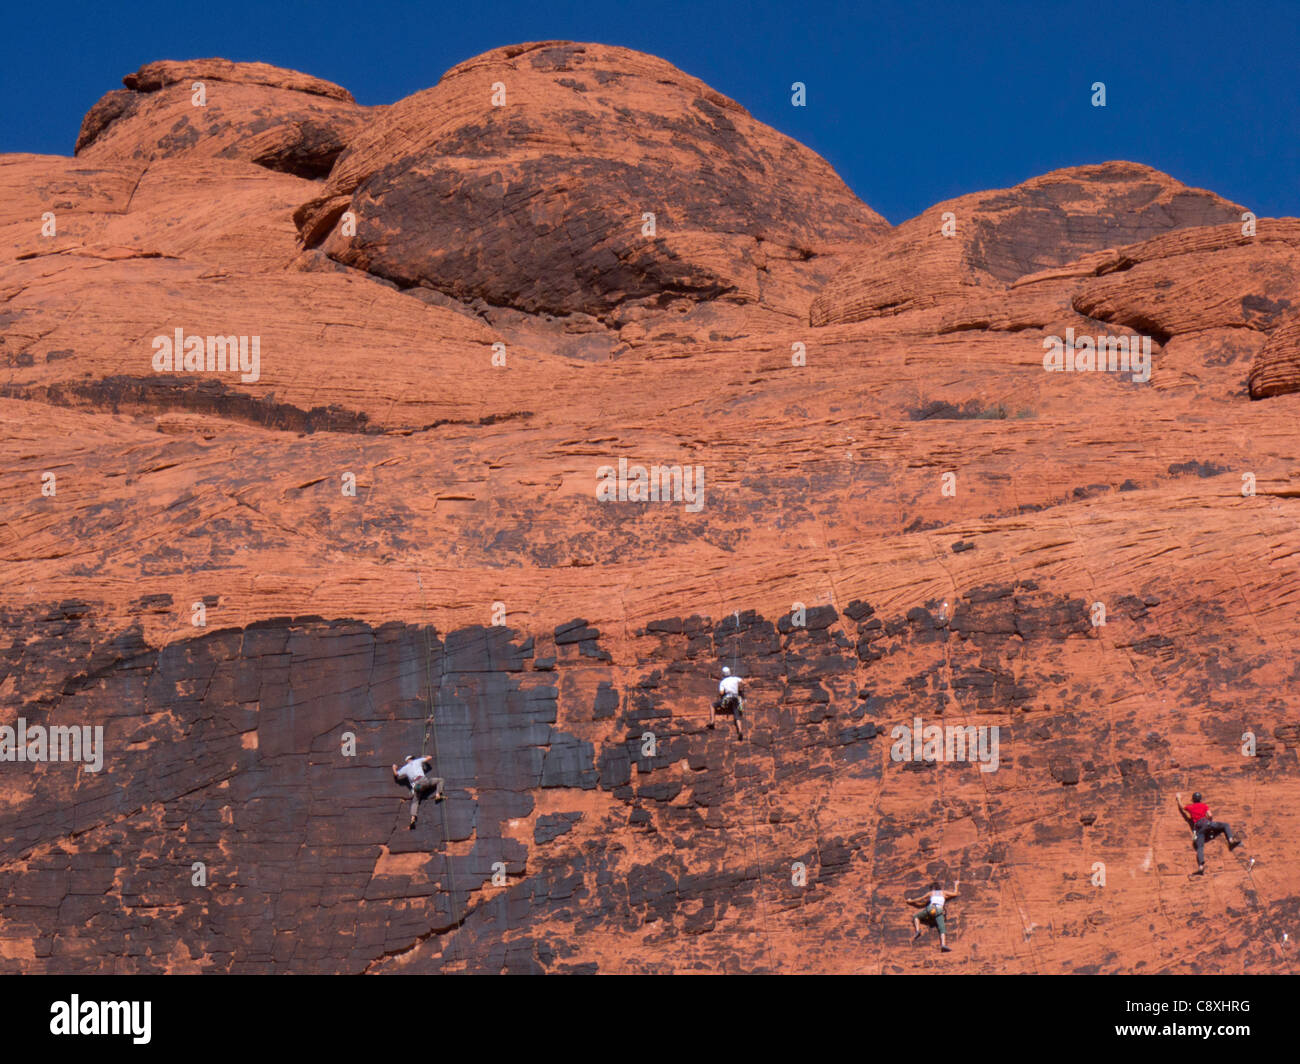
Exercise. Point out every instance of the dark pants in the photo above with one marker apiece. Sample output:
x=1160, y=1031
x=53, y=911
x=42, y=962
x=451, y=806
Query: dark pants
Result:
x=933, y=916
x=729, y=704
x=1207, y=829
x=422, y=788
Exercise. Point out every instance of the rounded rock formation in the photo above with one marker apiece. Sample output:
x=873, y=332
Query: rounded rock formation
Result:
x=1276, y=370
x=1005, y=234
x=277, y=118
x=563, y=178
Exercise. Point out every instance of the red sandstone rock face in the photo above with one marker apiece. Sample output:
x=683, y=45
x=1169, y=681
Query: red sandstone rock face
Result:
x=538, y=205
x=330, y=613
x=277, y=118
x=1000, y=236
x=1209, y=278
x=1277, y=367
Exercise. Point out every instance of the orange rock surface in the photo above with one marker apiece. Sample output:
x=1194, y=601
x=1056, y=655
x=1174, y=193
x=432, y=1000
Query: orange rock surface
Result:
x=276, y=118
x=390, y=541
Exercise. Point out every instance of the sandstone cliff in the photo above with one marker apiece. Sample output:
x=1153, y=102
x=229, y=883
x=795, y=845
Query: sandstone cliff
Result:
x=460, y=309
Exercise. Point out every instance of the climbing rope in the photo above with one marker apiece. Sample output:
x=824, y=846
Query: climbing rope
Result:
x=431, y=728
x=429, y=722
x=753, y=814
x=1247, y=867
x=758, y=880
x=428, y=681
x=1265, y=909
x=1013, y=881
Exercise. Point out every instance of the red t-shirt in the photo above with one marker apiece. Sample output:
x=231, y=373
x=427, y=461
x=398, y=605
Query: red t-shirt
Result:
x=1197, y=811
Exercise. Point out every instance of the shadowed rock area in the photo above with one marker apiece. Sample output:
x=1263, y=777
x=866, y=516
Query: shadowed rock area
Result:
x=276, y=118
x=267, y=585
x=678, y=849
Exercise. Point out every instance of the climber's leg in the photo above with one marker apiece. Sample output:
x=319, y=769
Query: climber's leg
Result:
x=1202, y=833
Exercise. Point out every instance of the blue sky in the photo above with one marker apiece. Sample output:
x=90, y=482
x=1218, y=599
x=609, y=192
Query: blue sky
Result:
x=912, y=103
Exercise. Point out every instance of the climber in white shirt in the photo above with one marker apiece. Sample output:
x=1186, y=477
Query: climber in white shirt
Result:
x=731, y=699
x=416, y=773
x=931, y=904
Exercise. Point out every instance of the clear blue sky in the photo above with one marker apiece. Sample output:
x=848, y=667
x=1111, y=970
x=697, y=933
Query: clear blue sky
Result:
x=912, y=103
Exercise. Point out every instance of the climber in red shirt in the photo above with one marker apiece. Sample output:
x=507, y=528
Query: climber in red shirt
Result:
x=1204, y=826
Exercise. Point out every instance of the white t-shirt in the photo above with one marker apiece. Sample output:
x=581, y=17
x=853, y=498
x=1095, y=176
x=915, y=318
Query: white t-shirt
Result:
x=730, y=686
x=936, y=899
x=412, y=772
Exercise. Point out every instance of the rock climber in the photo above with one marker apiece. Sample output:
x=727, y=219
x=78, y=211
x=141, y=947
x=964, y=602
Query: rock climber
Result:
x=416, y=773
x=731, y=699
x=931, y=905
x=1204, y=826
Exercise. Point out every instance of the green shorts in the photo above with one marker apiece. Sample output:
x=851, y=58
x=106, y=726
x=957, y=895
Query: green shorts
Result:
x=931, y=915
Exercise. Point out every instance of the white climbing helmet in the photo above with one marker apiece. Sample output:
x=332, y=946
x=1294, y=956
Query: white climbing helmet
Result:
x=726, y=671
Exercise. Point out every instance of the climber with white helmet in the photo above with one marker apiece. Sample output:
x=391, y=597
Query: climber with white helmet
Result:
x=731, y=699
x=416, y=773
